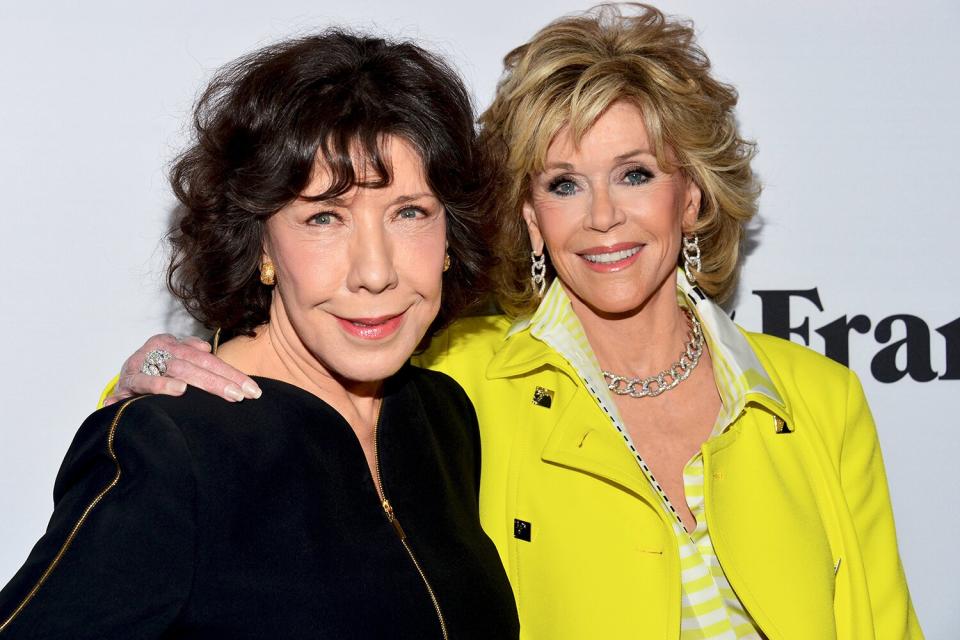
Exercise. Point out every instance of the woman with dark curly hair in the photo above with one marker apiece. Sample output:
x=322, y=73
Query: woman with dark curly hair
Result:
x=329, y=219
x=735, y=490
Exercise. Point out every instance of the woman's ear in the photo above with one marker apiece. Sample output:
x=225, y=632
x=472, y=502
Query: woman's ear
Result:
x=266, y=250
x=533, y=228
x=691, y=204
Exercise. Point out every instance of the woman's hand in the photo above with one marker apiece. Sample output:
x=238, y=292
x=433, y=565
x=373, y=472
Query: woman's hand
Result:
x=191, y=364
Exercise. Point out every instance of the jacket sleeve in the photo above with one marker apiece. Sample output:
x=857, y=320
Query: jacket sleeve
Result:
x=864, y=484
x=116, y=560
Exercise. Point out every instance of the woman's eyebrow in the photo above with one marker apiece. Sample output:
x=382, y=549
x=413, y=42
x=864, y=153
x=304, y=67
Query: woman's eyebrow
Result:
x=632, y=153
x=411, y=197
x=335, y=201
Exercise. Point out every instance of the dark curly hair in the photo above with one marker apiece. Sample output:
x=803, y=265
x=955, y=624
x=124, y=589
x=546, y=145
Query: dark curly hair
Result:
x=259, y=128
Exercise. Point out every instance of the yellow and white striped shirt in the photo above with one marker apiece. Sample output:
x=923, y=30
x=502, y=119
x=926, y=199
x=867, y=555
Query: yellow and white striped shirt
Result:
x=709, y=606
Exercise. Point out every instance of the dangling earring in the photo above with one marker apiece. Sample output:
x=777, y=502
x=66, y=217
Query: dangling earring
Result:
x=691, y=257
x=538, y=272
x=268, y=275
x=446, y=262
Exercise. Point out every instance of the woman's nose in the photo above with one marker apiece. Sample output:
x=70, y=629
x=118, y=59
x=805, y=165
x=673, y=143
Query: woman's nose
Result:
x=603, y=214
x=371, y=260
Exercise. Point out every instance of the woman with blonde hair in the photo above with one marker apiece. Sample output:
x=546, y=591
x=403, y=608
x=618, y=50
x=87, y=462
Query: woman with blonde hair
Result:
x=735, y=490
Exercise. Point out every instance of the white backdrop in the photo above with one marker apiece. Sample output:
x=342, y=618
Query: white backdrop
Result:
x=854, y=106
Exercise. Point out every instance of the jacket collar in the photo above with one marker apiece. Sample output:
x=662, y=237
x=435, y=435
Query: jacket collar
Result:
x=527, y=345
x=741, y=377
x=531, y=342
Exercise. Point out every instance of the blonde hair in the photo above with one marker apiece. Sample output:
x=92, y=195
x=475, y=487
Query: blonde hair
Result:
x=568, y=74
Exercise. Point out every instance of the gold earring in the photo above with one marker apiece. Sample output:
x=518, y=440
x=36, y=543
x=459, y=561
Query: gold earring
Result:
x=268, y=275
x=446, y=262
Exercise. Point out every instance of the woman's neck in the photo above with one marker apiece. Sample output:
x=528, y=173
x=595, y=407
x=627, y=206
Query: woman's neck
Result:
x=642, y=342
x=275, y=351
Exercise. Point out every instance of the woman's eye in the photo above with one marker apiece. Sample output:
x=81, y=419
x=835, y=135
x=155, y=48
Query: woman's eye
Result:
x=410, y=213
x=323, y=218
x=637, y=176
x=563, y=187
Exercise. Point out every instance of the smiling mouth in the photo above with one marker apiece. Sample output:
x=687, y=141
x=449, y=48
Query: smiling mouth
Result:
x=372, y=328
x=370, y=322
x=611, y=256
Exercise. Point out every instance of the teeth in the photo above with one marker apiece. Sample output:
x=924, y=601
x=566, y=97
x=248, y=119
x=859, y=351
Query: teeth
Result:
x=614, y=256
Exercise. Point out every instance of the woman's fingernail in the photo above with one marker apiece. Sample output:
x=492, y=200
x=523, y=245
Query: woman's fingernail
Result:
x=233, y=392
x=251, y=390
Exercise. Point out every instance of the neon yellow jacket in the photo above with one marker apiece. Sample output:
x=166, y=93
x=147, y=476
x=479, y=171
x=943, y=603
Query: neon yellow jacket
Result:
x=800, y=520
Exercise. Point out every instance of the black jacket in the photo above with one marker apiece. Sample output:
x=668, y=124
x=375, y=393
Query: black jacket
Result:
x=192, y=517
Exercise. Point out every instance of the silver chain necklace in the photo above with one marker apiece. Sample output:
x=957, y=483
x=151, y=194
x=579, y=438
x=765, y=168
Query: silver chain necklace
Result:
x=653, y=386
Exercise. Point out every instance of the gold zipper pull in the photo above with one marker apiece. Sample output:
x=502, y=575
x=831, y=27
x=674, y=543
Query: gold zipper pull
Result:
x=388, y=509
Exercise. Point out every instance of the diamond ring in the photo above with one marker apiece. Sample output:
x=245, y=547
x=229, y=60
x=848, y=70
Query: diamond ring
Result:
x=155, y=364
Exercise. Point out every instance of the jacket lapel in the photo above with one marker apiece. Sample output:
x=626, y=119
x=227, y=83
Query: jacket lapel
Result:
x=583, y=439
x=579, y=435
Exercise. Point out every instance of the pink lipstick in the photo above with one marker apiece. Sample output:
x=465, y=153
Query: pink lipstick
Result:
x=613, y=258
x=371, y=328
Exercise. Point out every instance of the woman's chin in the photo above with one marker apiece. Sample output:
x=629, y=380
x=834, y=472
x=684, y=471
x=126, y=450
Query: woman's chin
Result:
x=368, y=367
x=624, y=298
x=614, y=304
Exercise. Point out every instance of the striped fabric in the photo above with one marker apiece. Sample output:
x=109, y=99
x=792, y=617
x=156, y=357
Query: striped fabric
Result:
x=709, y=606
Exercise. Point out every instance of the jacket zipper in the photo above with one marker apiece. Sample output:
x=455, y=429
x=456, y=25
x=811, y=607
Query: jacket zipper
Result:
x=392, y=519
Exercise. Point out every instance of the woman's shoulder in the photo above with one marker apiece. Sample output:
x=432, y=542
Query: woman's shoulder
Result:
x=787, y=358
x=196, y=406
x=472, y=339
x=476, y=333
x=206, y=423
x=806, y=378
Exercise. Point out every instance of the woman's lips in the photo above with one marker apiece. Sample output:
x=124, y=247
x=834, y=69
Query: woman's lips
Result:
x=371, y=328
x=613, y=258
